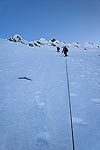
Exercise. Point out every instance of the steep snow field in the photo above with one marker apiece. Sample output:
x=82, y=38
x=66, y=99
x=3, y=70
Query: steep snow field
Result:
x=34, y=113
x=84, y=76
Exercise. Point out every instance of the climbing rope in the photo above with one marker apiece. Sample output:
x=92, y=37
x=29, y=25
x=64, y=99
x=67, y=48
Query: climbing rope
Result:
x=70, y=109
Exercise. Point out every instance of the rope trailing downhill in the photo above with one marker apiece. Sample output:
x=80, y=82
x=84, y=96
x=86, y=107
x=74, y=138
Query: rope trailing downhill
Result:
x=70, y=109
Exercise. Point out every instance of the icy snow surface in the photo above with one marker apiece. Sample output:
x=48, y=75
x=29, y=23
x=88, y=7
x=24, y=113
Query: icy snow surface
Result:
x=34, y=114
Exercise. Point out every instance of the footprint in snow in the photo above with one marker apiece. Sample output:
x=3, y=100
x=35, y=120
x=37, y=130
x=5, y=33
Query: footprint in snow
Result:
x=42, y=143
x=95, y=73
x=41, y=104
x=1, y=70
x=82, y=75
x=72, y=94
x=73, y=83
x=79, y=121
x=39, y=94
x=96, y=100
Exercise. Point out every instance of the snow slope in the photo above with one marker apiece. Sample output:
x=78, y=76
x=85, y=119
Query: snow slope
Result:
x=34, y=114
x=34, y=109
x=84, y=76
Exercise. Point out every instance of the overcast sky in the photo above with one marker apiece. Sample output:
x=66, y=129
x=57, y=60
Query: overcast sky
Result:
x=66, y=20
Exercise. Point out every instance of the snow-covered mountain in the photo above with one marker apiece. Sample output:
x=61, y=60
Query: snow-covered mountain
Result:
x=53, y=42
x=34, y=95
x=17, y=38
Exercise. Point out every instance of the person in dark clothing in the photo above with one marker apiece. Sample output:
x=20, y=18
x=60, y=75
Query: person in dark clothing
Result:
x=58, y=49
x=65, y=51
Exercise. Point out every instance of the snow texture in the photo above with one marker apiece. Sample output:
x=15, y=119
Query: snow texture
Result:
x=34, y=108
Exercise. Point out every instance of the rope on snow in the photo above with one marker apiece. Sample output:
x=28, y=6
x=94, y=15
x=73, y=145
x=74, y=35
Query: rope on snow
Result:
x=70, y=108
